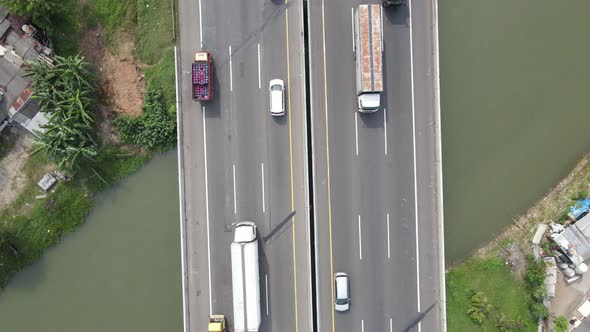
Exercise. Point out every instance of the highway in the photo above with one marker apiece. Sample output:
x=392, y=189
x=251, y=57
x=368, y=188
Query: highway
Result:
x=239, y=163
x=377, y=191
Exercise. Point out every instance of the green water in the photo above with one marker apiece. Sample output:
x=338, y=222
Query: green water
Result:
x=515, y=80
x=119, y=272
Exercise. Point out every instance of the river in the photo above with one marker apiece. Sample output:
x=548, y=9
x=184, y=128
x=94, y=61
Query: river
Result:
x=119, y=272
x=514, y=84
x=515, y=75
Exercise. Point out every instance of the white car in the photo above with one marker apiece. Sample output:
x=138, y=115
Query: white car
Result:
x=341, y=292
x=276, y=90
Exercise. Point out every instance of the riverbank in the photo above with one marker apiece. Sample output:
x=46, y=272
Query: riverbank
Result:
x=118, y=38
x=497, y=270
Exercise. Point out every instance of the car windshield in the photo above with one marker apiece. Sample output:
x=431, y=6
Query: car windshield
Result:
x=276, y=88
x=341, y=301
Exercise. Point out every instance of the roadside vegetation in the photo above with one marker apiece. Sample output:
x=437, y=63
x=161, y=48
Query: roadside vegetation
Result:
x=72, y=144
x=483, y=295
x=490, y=286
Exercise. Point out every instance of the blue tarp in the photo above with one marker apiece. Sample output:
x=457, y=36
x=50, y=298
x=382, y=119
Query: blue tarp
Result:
x=582, y=206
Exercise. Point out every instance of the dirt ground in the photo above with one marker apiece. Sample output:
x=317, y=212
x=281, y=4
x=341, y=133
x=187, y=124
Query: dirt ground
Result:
x=120, y=79
x=12, y=177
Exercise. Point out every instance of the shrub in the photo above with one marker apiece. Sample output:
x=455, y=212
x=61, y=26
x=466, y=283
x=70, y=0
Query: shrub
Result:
x=155, y=129
x=539, y=311
x=579, y=195
x=535, y=273
x=560, y=324
x=479, y=309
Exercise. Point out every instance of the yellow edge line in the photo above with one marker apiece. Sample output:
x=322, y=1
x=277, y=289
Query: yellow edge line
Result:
x=291, y=166
x=328, y=165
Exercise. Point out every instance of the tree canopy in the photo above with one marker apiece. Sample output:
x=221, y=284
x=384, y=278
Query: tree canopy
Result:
x=65, y=93
x=41, y=11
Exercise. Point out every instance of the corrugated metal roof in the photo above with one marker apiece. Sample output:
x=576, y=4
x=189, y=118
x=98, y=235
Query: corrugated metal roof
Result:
x=578, y=241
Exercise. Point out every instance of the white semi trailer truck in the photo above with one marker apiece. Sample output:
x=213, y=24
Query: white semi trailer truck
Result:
x=245, y=278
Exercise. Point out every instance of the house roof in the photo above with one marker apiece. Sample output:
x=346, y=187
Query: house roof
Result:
x=578, y=235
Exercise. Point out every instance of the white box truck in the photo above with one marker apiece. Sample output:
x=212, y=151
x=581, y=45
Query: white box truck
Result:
x=368, y=48
x=245, y=278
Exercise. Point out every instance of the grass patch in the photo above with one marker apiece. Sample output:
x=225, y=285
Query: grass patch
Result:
x=154, y=30
x=30, y=225
x=494, y=280
x=161, y=76
x=111, y=14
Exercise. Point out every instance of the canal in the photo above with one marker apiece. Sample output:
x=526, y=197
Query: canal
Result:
x=514, y=79
x=515, y=114
x=119, y=272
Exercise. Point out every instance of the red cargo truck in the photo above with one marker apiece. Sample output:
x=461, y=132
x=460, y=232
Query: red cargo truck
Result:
x=202, y=72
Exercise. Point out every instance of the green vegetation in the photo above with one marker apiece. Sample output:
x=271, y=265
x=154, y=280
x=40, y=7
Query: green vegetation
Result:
x=44, y=13
x=65, y=93
x=483, y=295
x=32, y=225
x=535, y=278
x=154, y=130
x=560, y=324
x=150, y=21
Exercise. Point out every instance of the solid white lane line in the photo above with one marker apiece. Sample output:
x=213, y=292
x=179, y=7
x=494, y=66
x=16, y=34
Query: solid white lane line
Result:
x=362, y=325
x=266, y=285
x=259, y=79
x=388, y=246
x=235, y=195
x=356, y=131
x=231, y=82
x=385, y=126
x=390, y=325
x=415, y=172
x=207, y=213
x=352, y=28
x=262, y=173
x=200, y=25
x=360, y=240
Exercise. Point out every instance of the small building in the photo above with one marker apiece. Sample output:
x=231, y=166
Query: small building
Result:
x=578, y=237
x=18, y=44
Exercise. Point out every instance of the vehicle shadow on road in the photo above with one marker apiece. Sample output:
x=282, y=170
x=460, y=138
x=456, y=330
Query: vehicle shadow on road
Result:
x=397, y=15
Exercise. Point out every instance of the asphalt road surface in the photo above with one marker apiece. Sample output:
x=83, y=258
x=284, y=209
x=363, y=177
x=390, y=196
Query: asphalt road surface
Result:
x=377, y=176
x=239, y=163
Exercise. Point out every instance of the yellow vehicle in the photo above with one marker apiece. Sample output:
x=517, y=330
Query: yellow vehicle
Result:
x=216, y=323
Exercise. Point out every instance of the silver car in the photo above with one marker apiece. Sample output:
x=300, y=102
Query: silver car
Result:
x=276, y=90
x=342, y=292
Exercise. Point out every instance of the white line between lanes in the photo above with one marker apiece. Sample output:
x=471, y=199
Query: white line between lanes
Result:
x=388, y=246
x=235, y=195
x=362, y=325
x=266, y=285
x=231, y=82
x=200, y=25
x=356, y=131
x=352, y=28
x=415, y=172
x=207, y=213
x=390, y=325
x=385, y=127
x=360, y=240
x=259, y=82
x=262, y=173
